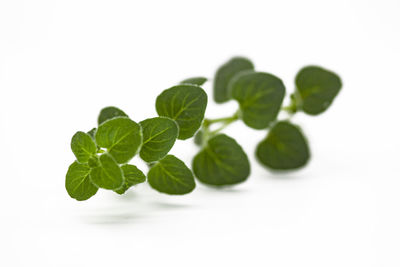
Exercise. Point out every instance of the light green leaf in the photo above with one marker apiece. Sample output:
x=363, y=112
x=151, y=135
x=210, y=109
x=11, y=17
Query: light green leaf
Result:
x=225, y=74
x=159, y=135
x=260, y=97
x=317, y=88
x=83, y=147
x=108, y=174
x=109, y=113
x=221, y=162
x=121, y=136
x=186, y=105
x=171, y=176
x=132, y=177
x=77, y=182
x=195, y=80
x=92, y=133
x=284, y=148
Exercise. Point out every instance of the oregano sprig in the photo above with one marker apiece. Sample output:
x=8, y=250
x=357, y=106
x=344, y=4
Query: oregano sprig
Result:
x=103, y=153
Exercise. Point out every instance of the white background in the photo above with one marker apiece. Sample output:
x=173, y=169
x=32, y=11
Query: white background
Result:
x=62, y=61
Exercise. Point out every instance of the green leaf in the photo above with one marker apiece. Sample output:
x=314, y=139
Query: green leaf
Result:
x=170, y=175
x=77, y=182
x=260, y=97
x=195, y=80
x=159, y=135
x=198, y=138
x=108, y=174
x=109, y=113
x=92, y=133
x=225, y=74
x=83, y=147
x=221, y=162
x=284, y=148
x=317, y=88
x=121, y=136
x=186, y=105
x=132, y=177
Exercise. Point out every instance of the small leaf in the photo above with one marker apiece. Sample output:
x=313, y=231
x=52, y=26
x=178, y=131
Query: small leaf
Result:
x=77, y=182
x=198, y=138
x=317, y=89
x=109, y=113
x=170, y=175
x=159, y=135
x=221, y=162
x=186, y=105
x=83, y=147
x=121, y=136
x=260, y=97
x=108, y=174
x=284, y=148
x=132, y=177
x=195, y=80
x=92, y=133
x=225, y=74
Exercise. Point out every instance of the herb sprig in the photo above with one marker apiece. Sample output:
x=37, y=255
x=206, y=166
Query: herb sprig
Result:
x=103, y=153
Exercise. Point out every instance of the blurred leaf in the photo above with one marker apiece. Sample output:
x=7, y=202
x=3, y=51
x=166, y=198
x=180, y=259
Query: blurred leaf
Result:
x=221, y=162
x=317, y=89
x=195, y=80
x=260, y=97
x=284, y=148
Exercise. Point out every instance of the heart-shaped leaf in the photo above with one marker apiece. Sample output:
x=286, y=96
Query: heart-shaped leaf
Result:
x=224, y=75
x=132, y=176
x=171, y=176
x=221, y=162
x=121, y=136
x=260, y=97
x=107, y=174
x=77, y=182
x=284, y=148
x=317, y=88
x=159, y=135
x=186, y=105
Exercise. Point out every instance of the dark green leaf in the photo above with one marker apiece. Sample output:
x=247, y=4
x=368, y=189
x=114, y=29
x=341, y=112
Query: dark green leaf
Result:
x=260, y=97
x=83, y=147
x=284, y=148
x=317, y=89
x=108, y=174
x=77, y=182
x=225, y=74
x=92, y=133
x=170, y=175
x=195, y=80
x=159, y=135
x=198, y=138
x=109, y=113
x=221, y=162
x=186, y=105
x=132, y=177
x=121, y=136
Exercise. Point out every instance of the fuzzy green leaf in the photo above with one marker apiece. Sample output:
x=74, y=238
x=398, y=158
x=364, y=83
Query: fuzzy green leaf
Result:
x=108, y=174
x=77, y=182
x=317, y=89
x=159, y=135
x=221, y=162
x=225, y=74
x=109, y=113
x=260, y=97
x=83, y=147
x=284, y=148
x=121, y=136
x=186, y=105
x=171, y=176
x=132, y=175
x=195, y=80
x=92, y=133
